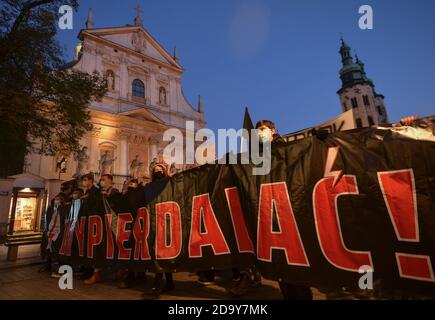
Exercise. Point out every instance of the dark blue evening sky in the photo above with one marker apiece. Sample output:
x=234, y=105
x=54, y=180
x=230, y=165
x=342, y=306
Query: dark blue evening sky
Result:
x=280, y=57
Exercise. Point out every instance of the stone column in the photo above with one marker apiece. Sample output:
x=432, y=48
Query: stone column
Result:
x=94, y=152
x=123, y=136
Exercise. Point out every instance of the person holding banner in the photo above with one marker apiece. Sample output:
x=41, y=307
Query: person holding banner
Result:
x=108, y=190
x=250, y=277
x=159, y=179
x=92, y=204
x=54, y=223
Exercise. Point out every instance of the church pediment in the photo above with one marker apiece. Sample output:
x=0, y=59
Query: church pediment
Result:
x=134, y=38
x=138, y=70
x=143, y=115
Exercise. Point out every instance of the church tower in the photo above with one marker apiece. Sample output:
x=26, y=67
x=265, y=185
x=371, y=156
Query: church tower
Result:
x=358, y=91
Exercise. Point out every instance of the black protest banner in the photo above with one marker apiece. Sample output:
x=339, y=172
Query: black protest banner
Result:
x=328, y=209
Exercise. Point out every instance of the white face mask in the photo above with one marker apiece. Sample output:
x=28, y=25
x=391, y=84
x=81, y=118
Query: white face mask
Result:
x=265, y=135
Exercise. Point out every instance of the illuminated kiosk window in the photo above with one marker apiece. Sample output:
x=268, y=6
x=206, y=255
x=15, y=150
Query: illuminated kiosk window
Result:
x=25, y=212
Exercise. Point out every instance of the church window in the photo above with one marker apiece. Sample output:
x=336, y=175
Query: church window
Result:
x=138, y=88
x=370, y=119
x=366, y=100
x=379, y=110
x=358, y=123
x=354, y=102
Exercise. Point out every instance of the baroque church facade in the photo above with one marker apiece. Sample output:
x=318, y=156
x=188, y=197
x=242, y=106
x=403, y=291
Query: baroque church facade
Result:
x=144, y=99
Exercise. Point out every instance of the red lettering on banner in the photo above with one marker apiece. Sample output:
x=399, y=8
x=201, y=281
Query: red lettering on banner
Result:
x=95, y=233
x=109, y=237
x=325, y=194
x=141, y=231
x=398, y=189
x=65, y=248
x=244, y=242
x=274, y=197
x=165, y=250
x=203, y=211
x=80, y=235
x=123, y=235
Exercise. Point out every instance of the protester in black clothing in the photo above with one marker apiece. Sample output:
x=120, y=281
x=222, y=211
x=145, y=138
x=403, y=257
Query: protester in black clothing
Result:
x=267, y=131
x=54, y=221
x=159, y=179
x=132, y=184
x=92, y=197
x=109, y=192
x=131, y=201
x=250, y=277
x=92, y=204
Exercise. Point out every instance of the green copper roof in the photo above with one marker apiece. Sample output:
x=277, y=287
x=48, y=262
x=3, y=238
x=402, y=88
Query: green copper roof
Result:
x=352, y=72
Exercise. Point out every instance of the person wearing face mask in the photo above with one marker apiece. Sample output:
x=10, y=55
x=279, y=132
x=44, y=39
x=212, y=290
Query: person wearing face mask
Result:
x=53, y=227
x=92, y=204
x=159, y=179
x=133, y=184
x=267, y=132
x=250, y=277
x=73, y=206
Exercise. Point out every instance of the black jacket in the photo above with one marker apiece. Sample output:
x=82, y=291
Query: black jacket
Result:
x=92, y=203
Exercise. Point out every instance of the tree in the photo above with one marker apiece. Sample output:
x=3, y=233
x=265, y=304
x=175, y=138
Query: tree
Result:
x=43, y=104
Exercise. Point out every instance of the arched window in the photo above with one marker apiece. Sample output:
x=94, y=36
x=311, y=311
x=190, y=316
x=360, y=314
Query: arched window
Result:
x=138, y=89
x=358, y=123
x=370, y=119
x=162, y=96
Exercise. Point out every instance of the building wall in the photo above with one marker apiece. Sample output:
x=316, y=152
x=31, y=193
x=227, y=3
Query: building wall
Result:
x=362, y=111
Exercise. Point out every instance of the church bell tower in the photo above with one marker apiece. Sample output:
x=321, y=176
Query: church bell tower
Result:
x=358, y=92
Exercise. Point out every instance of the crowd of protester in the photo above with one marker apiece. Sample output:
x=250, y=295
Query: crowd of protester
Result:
x=65, y=207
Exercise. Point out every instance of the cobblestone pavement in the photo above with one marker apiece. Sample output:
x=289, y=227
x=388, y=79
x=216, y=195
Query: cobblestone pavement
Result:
x=27, y=283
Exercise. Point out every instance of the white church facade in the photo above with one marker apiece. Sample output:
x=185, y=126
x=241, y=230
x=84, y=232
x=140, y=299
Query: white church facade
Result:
x=144, y=99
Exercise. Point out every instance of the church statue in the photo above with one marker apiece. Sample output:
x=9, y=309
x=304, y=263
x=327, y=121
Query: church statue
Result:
x=162, y=96
x=110, y=81
x=135, y=167
x=61, y=164
x=138, y=41
x=106, y=163
x=82, y=159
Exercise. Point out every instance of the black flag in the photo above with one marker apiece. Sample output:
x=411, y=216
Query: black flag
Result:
x=248, y=125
